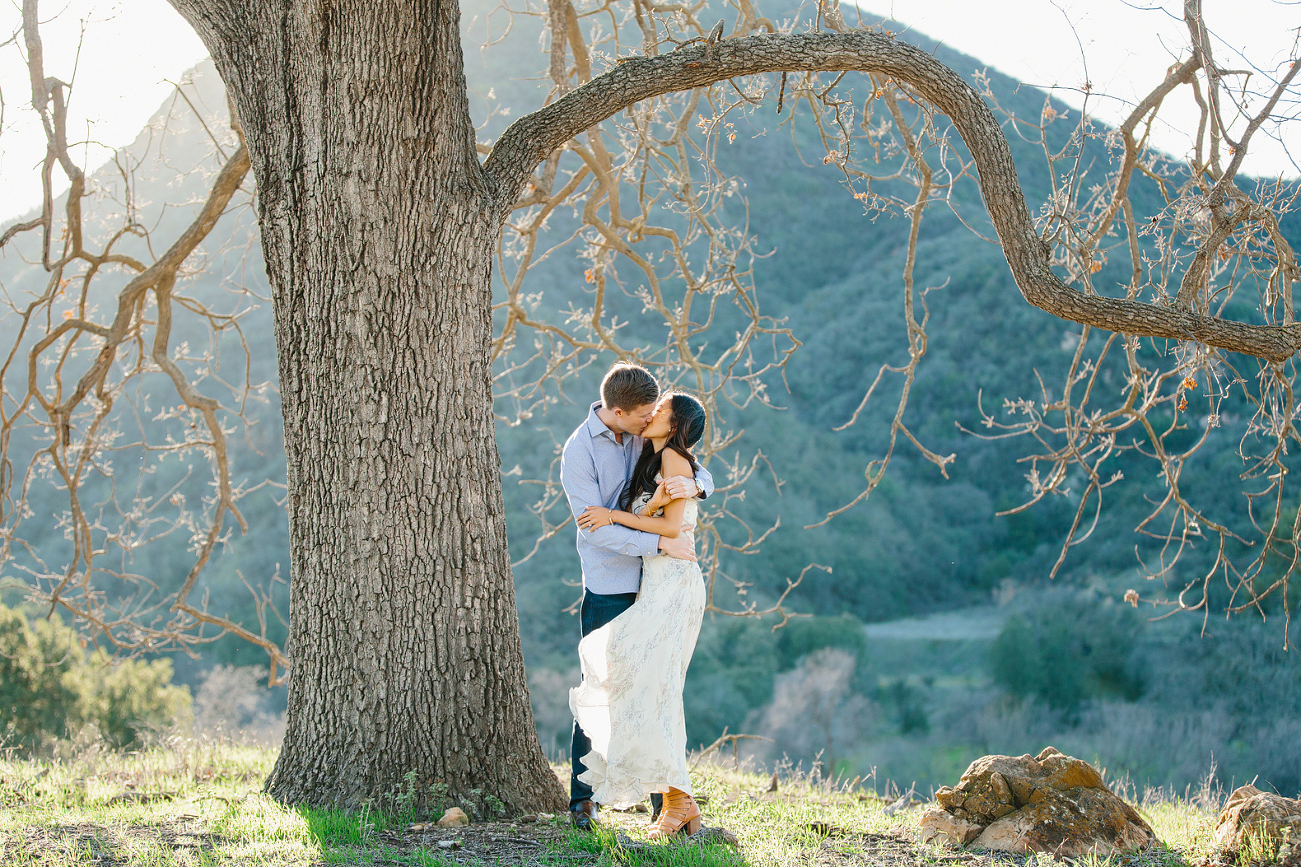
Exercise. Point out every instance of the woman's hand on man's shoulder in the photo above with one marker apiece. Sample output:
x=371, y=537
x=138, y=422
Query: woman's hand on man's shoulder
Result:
x=678, y=487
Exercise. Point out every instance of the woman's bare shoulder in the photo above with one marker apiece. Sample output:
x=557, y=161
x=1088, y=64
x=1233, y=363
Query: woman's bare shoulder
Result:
x=673, y=464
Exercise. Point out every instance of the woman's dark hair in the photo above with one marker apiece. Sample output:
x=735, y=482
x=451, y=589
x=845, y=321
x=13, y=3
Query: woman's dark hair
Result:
x=687, y=427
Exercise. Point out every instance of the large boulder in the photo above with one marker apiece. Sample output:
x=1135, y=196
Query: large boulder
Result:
x=1045, y=803
x=1258, y=827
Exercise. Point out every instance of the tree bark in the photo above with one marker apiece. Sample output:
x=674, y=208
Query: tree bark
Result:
x=378, y=228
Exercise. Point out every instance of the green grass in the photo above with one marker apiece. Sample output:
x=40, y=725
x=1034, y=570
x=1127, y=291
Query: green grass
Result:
x=200, y=803
x=1183, y=827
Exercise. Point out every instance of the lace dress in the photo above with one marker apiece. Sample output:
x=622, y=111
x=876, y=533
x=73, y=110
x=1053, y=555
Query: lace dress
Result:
x=630, y=700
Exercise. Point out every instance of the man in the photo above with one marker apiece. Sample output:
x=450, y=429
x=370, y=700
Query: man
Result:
x=597, y=462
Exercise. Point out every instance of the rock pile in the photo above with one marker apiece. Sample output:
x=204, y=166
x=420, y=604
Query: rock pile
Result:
x=1046, y=803
x=1258, y=827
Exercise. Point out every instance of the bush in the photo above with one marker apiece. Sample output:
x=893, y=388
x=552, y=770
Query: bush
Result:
x=815, y=715
x=1070, y=647
x=805, y=635
x=731, y=673
x=735, y=661
x=40, y=679
x=133, y=697
x=51, y=689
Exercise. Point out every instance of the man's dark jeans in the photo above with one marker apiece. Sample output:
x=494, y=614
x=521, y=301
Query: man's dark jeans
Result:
x=596, y=611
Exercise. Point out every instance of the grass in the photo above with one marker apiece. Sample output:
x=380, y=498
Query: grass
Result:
x=200, y=803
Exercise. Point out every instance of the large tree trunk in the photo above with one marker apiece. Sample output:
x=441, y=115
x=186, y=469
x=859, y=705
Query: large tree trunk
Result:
x=378, y=228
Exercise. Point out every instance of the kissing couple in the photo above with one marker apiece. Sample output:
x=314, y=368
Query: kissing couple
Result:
x=632, y=484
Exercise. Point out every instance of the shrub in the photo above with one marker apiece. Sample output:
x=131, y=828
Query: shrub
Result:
x=735, y=661
x=50, y=688
x=805, y=635
x=815, y=713
x=40, y=679
x=1070, y=647
x=909, y=705
x=731, y=674
x=133, y=697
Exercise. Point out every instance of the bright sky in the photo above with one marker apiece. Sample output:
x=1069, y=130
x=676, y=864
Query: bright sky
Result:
x=132, y=48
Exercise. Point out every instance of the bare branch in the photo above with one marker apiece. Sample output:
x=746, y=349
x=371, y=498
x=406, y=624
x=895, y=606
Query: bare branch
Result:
x=529, y=140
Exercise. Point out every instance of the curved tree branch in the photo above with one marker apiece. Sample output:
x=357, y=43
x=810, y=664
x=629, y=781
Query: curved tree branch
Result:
x=533, y=137
x=228, y=181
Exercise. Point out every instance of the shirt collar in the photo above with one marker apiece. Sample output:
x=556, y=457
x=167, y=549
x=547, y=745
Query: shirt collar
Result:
x=595, y=426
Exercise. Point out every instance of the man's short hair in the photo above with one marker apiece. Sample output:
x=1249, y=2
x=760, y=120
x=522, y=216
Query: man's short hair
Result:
x=628, y=386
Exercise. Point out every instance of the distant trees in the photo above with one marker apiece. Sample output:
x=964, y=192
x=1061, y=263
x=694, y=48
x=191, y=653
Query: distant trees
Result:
x=381, y=225
x=1073, y=648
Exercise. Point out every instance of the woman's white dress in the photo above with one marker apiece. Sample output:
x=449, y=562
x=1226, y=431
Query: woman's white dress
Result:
x=630, y=700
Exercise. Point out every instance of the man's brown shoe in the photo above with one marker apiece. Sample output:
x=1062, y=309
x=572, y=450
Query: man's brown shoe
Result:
x=583, y=815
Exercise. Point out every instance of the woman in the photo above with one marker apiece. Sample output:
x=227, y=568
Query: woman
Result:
x=630, y=701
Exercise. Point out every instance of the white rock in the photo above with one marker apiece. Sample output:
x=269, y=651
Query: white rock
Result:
x=939, y=826
x=454, y=816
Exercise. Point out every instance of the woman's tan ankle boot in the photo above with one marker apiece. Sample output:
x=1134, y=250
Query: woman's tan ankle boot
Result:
x=679, y=812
